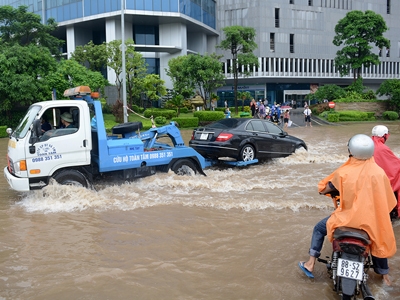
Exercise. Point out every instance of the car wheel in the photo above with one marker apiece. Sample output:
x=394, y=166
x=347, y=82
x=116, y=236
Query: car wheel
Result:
x=184, y=167
x=71, y=177
x=127, y=127
x=247, y=153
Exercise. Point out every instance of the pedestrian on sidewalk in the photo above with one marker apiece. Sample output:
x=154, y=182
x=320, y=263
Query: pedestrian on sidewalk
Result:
x=307, y=115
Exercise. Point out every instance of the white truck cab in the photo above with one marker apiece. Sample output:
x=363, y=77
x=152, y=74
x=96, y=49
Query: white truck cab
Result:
x=78, y=153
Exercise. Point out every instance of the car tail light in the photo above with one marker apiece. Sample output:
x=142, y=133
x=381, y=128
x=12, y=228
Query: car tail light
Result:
x=223, y=137
x=192, y=138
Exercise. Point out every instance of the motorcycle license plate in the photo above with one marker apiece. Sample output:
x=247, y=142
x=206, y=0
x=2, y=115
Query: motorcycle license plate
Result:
x=350, y=269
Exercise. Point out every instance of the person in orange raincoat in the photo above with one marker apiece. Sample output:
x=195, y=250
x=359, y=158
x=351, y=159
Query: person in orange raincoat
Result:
x=388, y=161
x=366, y=199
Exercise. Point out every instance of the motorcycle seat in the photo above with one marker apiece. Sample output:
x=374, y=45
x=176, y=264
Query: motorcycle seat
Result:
x=348, y=232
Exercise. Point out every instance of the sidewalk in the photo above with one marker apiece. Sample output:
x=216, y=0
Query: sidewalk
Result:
x=297, y=117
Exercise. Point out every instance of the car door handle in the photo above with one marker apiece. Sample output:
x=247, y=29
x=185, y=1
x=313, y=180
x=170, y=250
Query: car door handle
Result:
x=84, y=143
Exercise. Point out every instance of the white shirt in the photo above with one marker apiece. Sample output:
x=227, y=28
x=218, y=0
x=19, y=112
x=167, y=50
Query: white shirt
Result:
x=307, y=112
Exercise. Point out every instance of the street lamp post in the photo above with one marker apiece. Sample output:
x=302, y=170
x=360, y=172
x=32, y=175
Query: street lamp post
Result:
x=125, y=112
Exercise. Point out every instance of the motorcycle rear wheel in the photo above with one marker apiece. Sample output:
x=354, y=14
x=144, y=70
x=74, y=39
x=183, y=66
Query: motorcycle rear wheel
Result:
x=347, y=297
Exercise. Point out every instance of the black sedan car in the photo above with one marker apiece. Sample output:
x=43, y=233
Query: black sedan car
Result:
x=244, y=140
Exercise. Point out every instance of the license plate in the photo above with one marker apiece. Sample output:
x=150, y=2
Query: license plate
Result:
x=204, y=136
x=350, y=269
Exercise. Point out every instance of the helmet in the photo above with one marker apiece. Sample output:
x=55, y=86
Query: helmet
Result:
x=380, y=130
x=361, y=146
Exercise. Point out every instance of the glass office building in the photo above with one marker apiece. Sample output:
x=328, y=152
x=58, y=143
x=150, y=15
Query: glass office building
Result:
x=161, y=29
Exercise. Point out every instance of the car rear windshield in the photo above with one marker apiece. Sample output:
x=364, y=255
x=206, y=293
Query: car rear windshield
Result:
x=224, y=123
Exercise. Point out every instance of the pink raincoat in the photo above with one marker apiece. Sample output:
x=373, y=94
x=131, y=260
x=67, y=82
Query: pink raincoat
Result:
x=389, y=162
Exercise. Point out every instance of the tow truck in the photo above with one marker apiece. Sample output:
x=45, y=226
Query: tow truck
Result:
x=79, y=154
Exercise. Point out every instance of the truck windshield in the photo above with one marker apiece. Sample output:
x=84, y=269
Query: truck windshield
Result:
x=26, y=122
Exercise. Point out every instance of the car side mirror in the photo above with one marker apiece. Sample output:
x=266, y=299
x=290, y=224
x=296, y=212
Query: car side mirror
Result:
x=283, y=133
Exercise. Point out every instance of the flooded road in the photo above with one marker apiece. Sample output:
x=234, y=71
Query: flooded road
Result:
x=235, y=234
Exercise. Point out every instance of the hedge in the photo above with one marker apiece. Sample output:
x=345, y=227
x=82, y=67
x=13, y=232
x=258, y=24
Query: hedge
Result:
x=160, y=120
x=333, y=117
x=166, y=113
x=390, y=115
x=187, y=122
x=203, y=115
x=346, y=116
x=3, y=132
x=184, y=110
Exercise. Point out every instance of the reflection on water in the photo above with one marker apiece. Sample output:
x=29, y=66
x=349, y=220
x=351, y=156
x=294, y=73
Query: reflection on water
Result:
x=236, y=233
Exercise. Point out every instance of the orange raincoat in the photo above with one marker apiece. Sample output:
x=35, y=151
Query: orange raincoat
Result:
x=366, y=200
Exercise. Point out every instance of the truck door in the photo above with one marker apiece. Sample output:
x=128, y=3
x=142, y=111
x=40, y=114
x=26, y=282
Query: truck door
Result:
x=63, y=145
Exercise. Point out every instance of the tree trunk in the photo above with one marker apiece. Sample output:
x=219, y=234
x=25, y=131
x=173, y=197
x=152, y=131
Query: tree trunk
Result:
x=235, y=82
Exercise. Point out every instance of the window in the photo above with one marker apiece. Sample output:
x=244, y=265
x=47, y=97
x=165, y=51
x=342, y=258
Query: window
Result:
x=388, y=6
x=146, y=35
x=153, y=65
x=291, y=42
x=271, y=128
x=272, y=42
x=255, y=126
x=398, y=47
x=277, y=17
x=310, y=2
x=387, y=52
x=67, y=122
x=291, y=1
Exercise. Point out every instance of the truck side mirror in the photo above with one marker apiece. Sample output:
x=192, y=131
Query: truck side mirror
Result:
x=36, y=132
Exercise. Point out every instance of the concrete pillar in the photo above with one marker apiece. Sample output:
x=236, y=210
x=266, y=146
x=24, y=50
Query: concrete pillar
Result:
x=174, y=34
x=111, y=35
x=70, y=36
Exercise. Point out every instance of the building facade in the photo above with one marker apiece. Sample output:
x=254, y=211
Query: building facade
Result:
x=295, y=50
x=294, y=37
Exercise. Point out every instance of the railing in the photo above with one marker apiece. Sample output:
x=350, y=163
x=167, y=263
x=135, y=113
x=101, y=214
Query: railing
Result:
x=313, y=68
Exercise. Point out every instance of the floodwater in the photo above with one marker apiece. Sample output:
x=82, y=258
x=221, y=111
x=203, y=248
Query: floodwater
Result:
x=236, y=234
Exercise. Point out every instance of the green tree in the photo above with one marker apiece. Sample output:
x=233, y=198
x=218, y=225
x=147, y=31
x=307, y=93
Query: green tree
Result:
x=18, y=26
x=26, y=49
x=70, y=73
x=91, y=55
x=136, y=72
x=135, y=67
x=329, y=92
x=205, y=72
x=240, y=42
x=356, y=32
x=154, y=87
x=23, y=73
x=196, y=72
x=180, y=81
x=177, y=102
x=243, y=96
x=356, y=86
x=391, y=89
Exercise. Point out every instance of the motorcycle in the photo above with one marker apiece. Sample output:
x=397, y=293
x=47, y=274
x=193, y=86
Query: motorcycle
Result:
x=350, y=262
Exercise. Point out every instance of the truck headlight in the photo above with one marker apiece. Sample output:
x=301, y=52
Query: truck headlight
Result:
x=20, y=166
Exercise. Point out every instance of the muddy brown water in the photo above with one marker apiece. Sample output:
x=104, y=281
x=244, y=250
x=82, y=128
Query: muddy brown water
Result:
x=236, y=234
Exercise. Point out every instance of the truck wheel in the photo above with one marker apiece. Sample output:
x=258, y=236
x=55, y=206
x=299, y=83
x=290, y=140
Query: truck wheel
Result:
x=247, y=153
x=184, y=167
x=71, y=177
x=127, y=127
